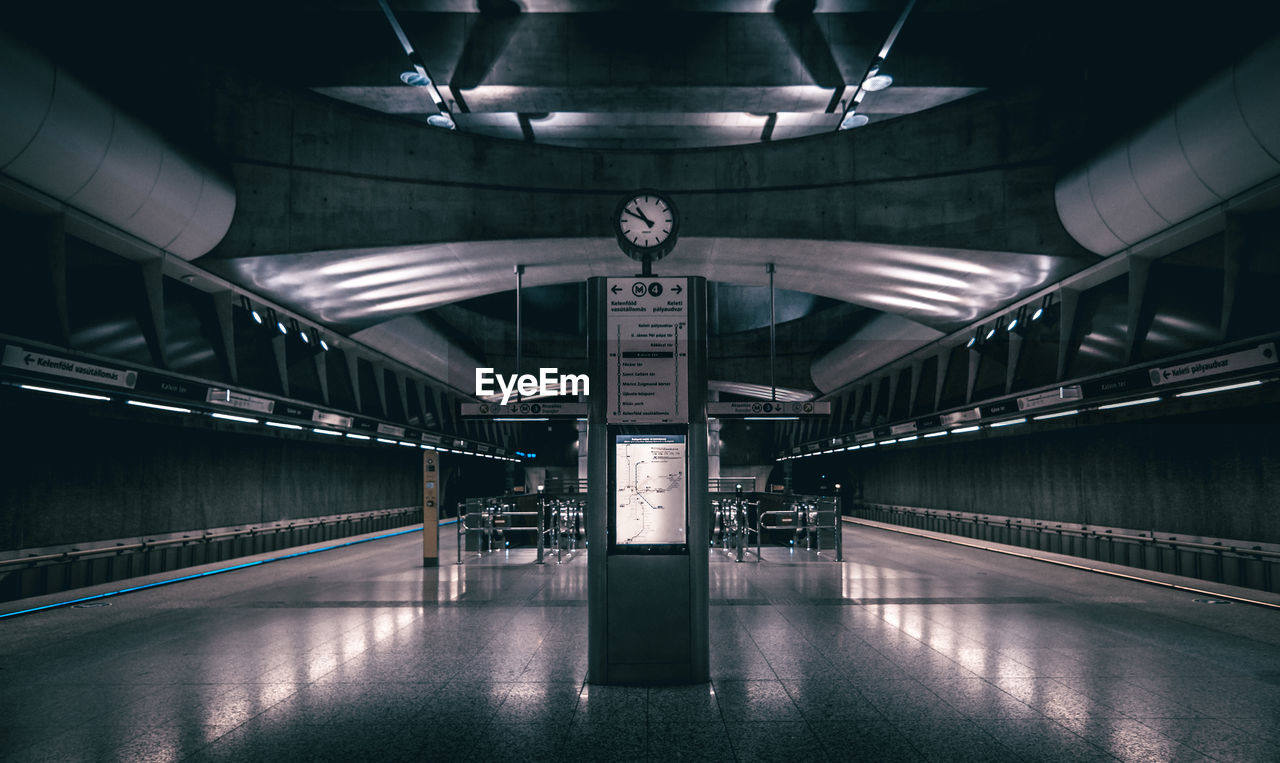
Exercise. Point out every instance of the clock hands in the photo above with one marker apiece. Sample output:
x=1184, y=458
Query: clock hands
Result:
x=639, y=215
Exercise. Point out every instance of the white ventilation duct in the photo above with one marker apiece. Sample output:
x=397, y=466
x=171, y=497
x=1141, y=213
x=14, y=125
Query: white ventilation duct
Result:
x=64, y=141
x=1222, y=140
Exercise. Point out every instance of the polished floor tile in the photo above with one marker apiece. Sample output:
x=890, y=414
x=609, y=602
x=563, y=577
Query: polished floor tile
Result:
x=909, y=650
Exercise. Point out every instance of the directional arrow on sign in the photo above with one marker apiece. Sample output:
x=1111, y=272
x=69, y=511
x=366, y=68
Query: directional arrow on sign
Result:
x=29, y=359
x=615, y=289
x=677, y=288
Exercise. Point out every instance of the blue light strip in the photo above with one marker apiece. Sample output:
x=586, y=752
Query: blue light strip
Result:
x=204, y=574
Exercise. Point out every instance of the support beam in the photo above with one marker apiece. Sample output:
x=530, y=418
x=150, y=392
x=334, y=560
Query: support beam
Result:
x=279, y=352
x=224, y=321
x=1234, y=242
x=353, y=373
x=917, y=371
x=56, y=251
x=152, y=312
x=1140, y=311
x=944, y=365
x=321, y=359
x=975, y=363
x=1015, y=354
x=1068, y=341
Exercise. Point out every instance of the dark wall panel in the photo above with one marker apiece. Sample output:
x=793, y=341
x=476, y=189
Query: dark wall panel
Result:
x=1213, y=474
x=71, y=475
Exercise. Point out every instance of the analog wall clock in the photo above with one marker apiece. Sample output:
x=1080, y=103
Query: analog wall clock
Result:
x=646, y=223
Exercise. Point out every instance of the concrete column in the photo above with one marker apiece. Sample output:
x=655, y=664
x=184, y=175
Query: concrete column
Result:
x=582, y=452
x=713, y=442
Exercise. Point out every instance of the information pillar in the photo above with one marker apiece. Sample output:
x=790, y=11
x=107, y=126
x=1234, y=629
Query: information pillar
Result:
x=430, y=509
x=648, y=513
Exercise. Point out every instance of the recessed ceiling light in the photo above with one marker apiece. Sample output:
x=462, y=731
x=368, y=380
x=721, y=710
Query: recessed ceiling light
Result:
x=854, y=119
x=441, y=120
x=877, y=81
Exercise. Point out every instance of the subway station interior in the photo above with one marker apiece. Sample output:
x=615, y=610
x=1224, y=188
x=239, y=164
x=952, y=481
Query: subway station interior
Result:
x=736, y=380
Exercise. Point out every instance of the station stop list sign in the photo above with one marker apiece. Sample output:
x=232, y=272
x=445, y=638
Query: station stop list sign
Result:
x=647, y=355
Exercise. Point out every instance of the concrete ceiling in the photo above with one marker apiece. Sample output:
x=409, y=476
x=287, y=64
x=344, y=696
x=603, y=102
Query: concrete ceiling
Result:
x=939, y=212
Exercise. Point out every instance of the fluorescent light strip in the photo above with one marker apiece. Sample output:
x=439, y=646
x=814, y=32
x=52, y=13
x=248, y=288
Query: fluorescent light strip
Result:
x=530, y=418
x=1128, y=403
x=909, y=439
x=329, y=432
x=427, y=447
x=1241, y=385
x=1057, y=415
x=385, y=441
x=937, y=434
x=158, y=407
x=206, y=574
x=770, y=418
x=282, y=425
x=888, y=442
x=963, y=430
x=868, y=445
x=229, y=417
x=1008, y=423
x=358, y=436
x=408, y=444
x=67, y=392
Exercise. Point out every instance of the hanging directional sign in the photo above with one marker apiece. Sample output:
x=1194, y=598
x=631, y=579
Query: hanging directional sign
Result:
x=647, y=350
x=240, y=400
x=525, y=410
x=764, y=409
x=68, y=368
x=1254, y=357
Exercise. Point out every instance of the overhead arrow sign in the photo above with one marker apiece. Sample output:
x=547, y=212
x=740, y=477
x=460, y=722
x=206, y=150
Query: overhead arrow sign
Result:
x=68, y=368
x=677, y=288
x=615, y=289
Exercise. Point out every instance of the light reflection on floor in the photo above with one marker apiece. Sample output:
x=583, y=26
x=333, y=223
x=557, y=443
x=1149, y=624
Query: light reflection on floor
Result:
x=907, y=650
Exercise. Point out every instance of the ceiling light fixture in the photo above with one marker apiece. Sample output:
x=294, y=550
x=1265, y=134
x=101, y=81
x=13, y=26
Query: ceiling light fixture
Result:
x=1241, y=385
x=876, y=80
x=66, y=392
x=1127, y=403
x=158, y=407
x=853, y=119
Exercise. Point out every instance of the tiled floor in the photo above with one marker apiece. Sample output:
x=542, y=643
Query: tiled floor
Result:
x=909, y=650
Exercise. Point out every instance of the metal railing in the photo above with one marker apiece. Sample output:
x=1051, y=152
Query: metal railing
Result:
x=204, y=537
x=1169, y=554
x=559, y=518
x=39, y=573
x=731, y=524
x=805, y=517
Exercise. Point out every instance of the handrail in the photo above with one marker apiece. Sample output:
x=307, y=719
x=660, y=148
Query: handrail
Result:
x=202, y=537
x=1012, y=522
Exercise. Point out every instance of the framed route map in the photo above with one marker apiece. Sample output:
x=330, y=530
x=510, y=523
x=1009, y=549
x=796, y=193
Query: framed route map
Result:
x=649, y=490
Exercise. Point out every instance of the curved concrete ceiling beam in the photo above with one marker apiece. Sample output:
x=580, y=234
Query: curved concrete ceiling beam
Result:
x=63, y=140
x=1219, y=142
x=883, y=340
x=944, y=288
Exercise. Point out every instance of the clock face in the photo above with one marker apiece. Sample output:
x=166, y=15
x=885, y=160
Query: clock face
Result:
x=646, y=220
